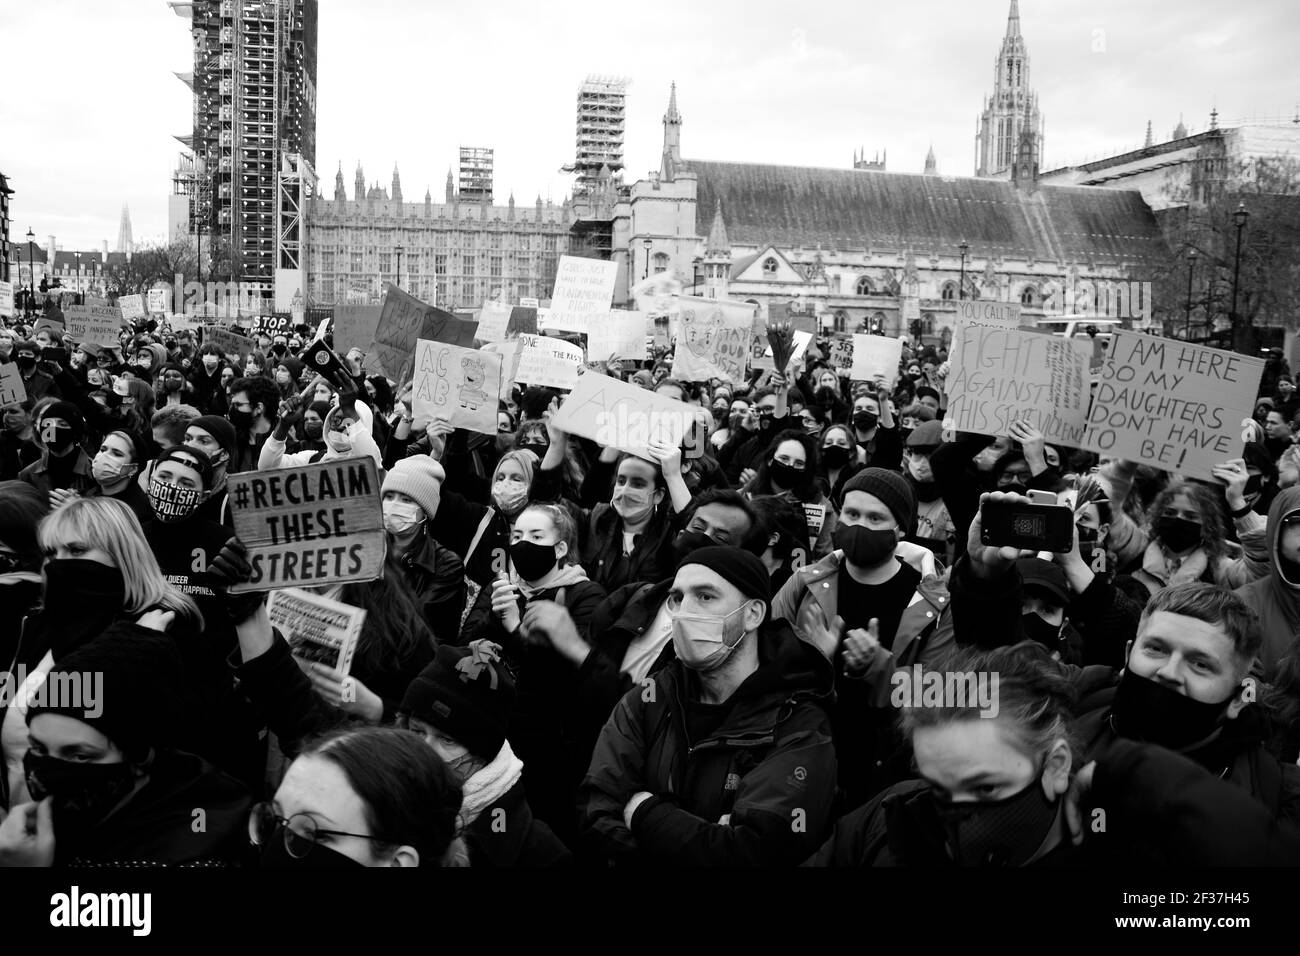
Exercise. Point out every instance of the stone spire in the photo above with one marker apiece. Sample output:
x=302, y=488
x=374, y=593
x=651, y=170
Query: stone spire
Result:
x=717, y=244
x=397, y=185
x=931, y=167
x=1150, y=140
x=339, y=193
x=359, y=185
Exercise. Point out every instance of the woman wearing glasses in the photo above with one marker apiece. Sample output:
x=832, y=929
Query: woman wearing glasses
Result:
x=789, y=471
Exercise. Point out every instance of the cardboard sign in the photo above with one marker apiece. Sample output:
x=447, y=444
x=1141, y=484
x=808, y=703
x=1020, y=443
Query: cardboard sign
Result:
x=1002, y=375
x=403, y=321
x=354, y=327
x=584, y=289
x=841, y=355
x=11, y=384
x=659, y=326
x=522, y=319
x=94, y=324
x=462, y=384
x=621, y=334
x=158, y=300
x=765, y=360
x=229, y=342
x=876, y=356
x=815, y=515
x=6, y=298
x=317, y=629
x=309, y=526
x=548, y=362
x=493, y=321
x=278, y=324
x=623, y=416
x=712, y=339
x=529, y=303
x=1173, y=405
x=132, y=306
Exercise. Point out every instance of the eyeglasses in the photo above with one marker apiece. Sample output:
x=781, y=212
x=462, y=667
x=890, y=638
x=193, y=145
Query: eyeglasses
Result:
x=300, y=830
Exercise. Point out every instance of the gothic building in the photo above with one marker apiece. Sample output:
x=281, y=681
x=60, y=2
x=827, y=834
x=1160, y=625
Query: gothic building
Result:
x=1011, y=110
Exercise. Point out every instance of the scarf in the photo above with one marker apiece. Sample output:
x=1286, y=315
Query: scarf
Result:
x=1169, y=570
x=567, y=575
x=489, y=785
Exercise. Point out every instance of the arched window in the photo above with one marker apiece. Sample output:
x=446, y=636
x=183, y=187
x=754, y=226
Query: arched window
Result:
x=661, y=262
x=769, y=266
x=927, y=324
x=1029, y=296
x=864, y=287
x=949, y=291
x=841, y=320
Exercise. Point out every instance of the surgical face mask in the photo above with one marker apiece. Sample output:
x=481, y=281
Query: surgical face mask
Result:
x=313, y=430
x=401, y=516
x=918, y=466
x=282, y=378
x=510, y=496
x=703, y=642
x=632, y=504
x=339, y=442
x=172, y=502
x=106, y=469
x=1004, y=832
x=1147, y=710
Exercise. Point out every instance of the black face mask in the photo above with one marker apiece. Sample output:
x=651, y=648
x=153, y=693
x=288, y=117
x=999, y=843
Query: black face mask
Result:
x=1089, y=545
x=825, y=396
x=1034, y=628
x=1145, y=709
x=1178, y=534
x=688, y=542
x=60, y=440
x=536, y=448
x=240, y=418
x=836, y=456
x=82, y=598
x=26, y=362
x=533, y=561
x=275, y=856
x=313, y=431
x=865, y=421
x=83, y=793
x=865, y=547
x=1254, y=485
x=784, y=475
x=765, y=421
x=1004, y=832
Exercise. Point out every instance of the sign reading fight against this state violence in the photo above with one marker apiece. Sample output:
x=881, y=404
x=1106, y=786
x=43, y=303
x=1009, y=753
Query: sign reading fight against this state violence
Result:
x=547, y=362
x=1172, y=405
x=620, y=334
x=584, y=289
x=1000, y=376
x=311, y=525
x=623, y=416
x=403, y=321
x=876, y=357
x=354, y=327
x=94, y=324
x=461, y=384
x=713, y=339
x=11, y=384
x=317, y=629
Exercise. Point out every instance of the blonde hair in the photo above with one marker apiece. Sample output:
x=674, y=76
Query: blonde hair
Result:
x=108, y=524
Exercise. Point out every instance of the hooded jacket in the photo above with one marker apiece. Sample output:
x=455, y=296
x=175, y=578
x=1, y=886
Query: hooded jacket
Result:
x=1275, y=598
x=363, y=443
x=756, y=792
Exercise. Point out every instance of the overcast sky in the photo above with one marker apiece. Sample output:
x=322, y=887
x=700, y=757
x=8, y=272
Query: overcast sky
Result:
x=91, y=106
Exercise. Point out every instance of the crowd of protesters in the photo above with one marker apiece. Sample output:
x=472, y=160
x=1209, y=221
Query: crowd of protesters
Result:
x=576, y=656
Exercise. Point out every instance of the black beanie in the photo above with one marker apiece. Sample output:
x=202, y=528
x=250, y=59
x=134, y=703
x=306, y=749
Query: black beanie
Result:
x=69, y=413
x=135, y=675
x=219, y=428
x=21, y=509
x=738, y=567
x=892, y=489
x=467, y=694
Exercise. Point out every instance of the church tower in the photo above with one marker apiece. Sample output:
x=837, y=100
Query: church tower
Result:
x=1011, y=109
x=717, y=258
x=340, y=195
x=672, y=155
x=359, y=187
x=397, y=185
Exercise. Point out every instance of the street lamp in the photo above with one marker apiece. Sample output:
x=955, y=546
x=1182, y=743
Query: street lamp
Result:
x=31, y=273
x=399, y=266
x=646, y=244
x=1239, y=218
x=1191, y=270
x=961, y=286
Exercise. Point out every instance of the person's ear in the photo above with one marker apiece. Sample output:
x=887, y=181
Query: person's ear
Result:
x=405, y=856
x=561, y=550
x=659, y=495
x=755, y=613
x=1128, y=650
x=1056, y=769
x=774, y=539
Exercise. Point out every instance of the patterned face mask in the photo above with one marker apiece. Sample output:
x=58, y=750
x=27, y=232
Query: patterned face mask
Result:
x=172, y=502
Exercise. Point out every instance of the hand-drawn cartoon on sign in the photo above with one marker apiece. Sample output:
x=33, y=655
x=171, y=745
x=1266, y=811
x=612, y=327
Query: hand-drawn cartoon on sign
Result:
x=403, y=321
x=462, y=384
x=712, y=339
x=1173, y=405
x=318, y=630
x=1000, y=376
x=584, y=288
x=311, y=525
x=623, y=416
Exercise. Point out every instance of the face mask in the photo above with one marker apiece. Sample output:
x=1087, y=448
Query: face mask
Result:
x=1034, y=628
x=26, y=362
x=105, y=469
x=918, y=466
x=1089, y=544
x=825, y=396
x=313, y=430
x=704, y=642
x=865, y=547
x=338, y=442
x=688, y=542
x=83, y=793
x=865, y=421
x=275, y=856
x=58, y=440
x=533, y=561
x=765, y=420
x=401, y=516
x=510, y=496
x=632, y=504
x=172, y=502
x=1147, y=710
x=836, y=456
x=82, y=597
x=1254, y=485
x=537, y=448
x=282, y=378
x=734, y=419
x=173, y=384
x=784, y=475
x=1003, y=832
x=1178, y=534
x=240, y=418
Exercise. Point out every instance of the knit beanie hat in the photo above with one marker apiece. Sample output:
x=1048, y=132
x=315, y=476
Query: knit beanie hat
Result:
x=891, y=488
x=466, y=693
x=69, y=413
x=219, y=428
x=419, y=477
x=737, y=567
x=125, y=683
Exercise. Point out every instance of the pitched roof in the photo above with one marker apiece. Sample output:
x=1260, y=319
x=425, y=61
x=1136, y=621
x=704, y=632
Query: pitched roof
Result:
x=793, y=206
x=717, y=241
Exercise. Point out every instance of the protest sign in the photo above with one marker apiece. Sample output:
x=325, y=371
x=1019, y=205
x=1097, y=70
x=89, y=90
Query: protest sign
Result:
x=94, y=324
x=281, y=323
x=815, y=515
x=509, y=352
x=548, y=362
x=354, y=327
x=623, y=416
x=229, y=342
x=529, y=303
x=318, y=630
x=522, y=319
x=404, y=320
x=841, y=355
x=6, y=298
x=462, y=384
x=998, y=315
x=1000, y=376
x=764, y=361
x=584, y=288
x=11, y=384
x=132, y=306
x=180, y=323
x=493, y=321
x=712, y=339
x=621, y=334
x=158, y=300
x=311, y=525
x=876, y=356
x=1173, y=405
x=659, y=328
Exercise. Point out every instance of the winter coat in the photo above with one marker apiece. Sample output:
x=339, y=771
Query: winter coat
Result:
x=38, y=475
x=1275, y=601
x=746, y=449
x=755, y=792
x=436, y=576
x=507, y=834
